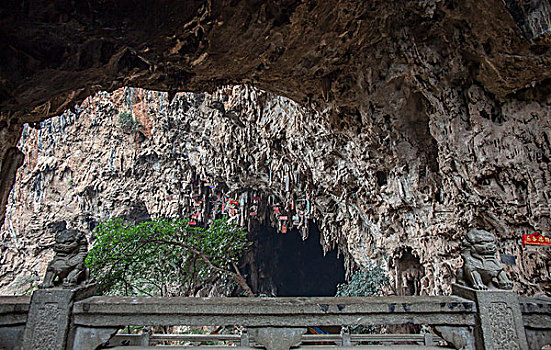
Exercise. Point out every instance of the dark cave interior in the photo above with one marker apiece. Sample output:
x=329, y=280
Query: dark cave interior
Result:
x=284, y=265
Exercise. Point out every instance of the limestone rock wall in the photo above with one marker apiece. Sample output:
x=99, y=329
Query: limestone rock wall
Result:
x=401, y=181
x=55, y=54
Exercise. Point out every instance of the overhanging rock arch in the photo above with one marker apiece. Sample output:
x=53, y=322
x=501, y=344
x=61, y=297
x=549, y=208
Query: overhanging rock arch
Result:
x=363, y=62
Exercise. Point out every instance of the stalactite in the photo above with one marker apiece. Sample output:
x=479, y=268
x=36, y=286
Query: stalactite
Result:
x=288, y=166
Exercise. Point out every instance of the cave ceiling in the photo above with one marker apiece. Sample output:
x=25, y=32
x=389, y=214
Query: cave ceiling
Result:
x=56, y=53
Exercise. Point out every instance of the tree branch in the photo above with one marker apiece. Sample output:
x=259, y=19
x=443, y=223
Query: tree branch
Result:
x=237, y=277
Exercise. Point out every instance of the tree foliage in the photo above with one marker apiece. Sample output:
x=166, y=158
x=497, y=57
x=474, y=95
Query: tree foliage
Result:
x=366, y=282
x=164, y=257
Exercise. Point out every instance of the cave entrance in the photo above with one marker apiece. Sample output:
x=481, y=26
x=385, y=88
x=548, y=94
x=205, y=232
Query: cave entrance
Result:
x=284, y=265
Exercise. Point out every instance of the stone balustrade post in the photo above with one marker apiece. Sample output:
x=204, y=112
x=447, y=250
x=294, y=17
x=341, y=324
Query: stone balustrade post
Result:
x=499, y=318
x=50, y=316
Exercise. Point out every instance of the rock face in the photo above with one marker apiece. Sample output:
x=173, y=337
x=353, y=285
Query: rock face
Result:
x=402, y=181
x=335, y=53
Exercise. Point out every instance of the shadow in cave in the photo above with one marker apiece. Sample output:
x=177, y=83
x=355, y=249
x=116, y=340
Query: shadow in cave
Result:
x=284, y=265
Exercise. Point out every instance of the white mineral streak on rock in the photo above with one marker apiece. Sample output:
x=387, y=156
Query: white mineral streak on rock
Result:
x=411, y=173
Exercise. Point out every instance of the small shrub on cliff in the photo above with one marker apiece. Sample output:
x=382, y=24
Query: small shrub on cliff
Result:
x=128, y=123
x=164, y=257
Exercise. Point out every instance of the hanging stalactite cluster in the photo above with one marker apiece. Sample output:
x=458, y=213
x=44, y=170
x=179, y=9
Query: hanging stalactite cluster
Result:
x=378, y=186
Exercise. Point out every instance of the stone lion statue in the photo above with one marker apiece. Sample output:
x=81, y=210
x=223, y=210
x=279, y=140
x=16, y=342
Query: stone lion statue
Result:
x=67, y=267
x=481, y=266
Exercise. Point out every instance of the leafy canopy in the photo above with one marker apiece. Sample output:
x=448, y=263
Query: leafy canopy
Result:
x=164, y=256
x=366, y=282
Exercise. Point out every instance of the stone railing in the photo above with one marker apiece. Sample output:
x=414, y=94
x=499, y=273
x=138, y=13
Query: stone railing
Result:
x=536, y=316
x=269, y=320
x=148, y=338
x=13, y=317
x=72, y=319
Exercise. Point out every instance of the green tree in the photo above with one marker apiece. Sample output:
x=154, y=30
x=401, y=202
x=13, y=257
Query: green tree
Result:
x=164, y=257
x=367, y=282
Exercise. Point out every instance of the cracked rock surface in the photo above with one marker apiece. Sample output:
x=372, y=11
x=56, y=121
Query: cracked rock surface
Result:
x=347, y=56
x=400, y=182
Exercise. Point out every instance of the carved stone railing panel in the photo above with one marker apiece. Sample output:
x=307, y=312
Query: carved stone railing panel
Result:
x=277, y=338
x=49, y=319
x=499, y=319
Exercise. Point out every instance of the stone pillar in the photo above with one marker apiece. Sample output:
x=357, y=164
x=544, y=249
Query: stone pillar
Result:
x=244, y=338
x=499, y=319
x=345, y=334
x=49, y=320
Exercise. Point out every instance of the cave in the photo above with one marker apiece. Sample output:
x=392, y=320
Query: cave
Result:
x=392, y=110
x=407, y=271
x=285, y=265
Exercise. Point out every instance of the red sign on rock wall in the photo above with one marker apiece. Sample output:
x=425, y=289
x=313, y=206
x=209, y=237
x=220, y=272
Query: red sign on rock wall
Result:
x=535, y=239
